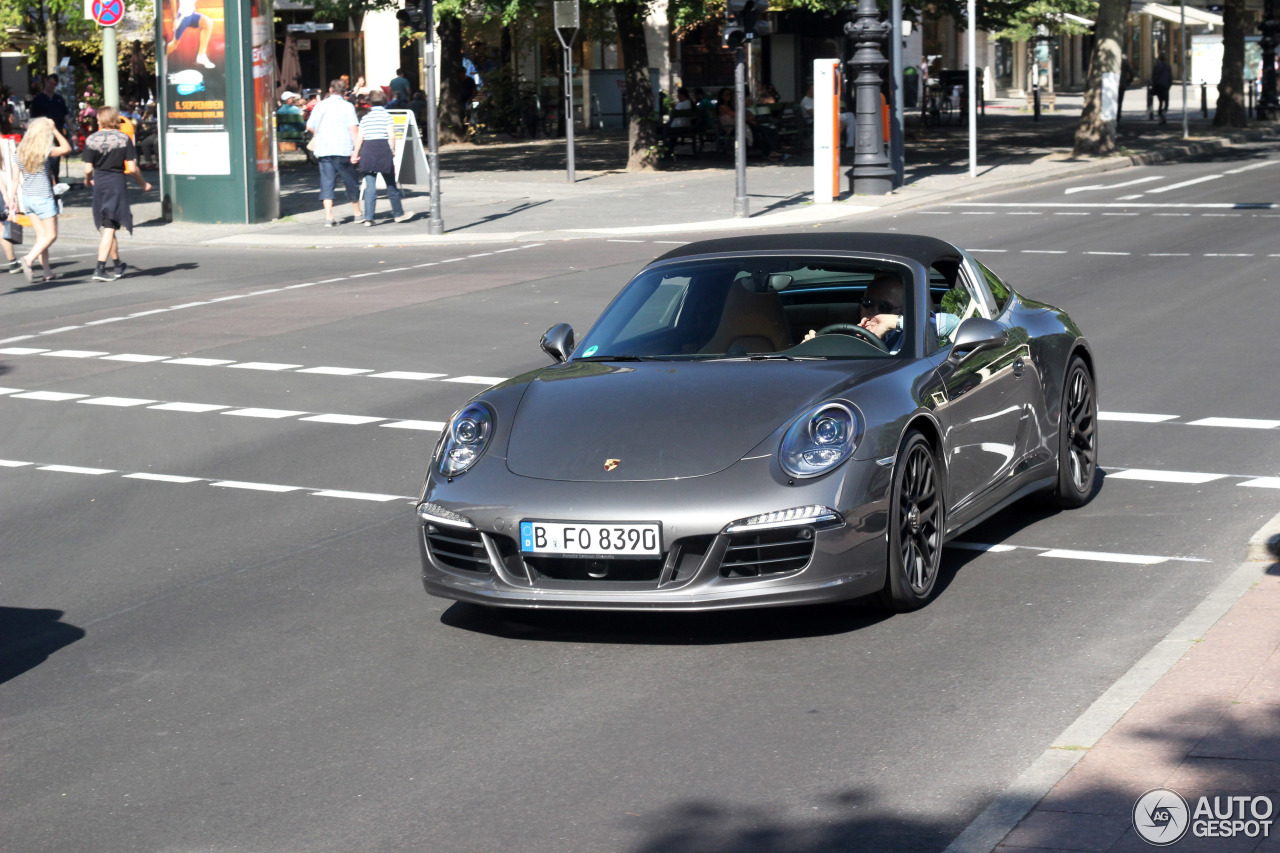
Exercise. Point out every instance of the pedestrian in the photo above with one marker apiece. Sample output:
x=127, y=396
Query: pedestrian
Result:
x=375, y=155
x=8, y=206
x=400, y=86
x=40, y=145
x=49, y=104
x=334, y=126
x=108, y=156
x=1161, y=81
x=1126, y=80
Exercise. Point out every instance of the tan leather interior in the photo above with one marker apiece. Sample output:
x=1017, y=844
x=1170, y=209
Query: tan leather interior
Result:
x=753, y=321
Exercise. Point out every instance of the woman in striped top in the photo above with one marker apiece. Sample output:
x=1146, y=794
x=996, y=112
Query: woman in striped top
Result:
x=41, y=142
x=375, y=155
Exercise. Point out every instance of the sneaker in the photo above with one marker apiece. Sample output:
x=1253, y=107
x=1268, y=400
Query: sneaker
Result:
x=368, y=223
x=404, y=217
x=10, y=266
x=104, y=275
x=120, y=270
x=330, y=223
x=204, y=60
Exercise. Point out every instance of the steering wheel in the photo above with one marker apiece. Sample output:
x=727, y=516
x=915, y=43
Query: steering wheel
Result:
x=854, y=330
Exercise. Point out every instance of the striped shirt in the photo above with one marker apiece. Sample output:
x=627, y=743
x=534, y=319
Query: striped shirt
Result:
x=377, y=124
x=331, y=122
x=39, y=185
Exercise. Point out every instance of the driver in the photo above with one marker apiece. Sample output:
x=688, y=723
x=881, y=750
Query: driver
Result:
x=882, y=312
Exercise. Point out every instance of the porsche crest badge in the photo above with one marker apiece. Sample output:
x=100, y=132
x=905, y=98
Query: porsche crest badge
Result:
x=610, y=464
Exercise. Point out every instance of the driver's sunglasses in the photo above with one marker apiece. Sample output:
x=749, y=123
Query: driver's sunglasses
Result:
x=884, y=305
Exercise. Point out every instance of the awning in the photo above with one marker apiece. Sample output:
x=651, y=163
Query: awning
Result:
x=1196, y=17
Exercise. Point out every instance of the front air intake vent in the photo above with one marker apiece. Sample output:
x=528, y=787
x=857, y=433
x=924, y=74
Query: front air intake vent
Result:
x=457, y=548
x=768, y=552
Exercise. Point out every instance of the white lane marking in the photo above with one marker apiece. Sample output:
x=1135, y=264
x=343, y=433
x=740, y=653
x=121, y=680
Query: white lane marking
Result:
x=1261, y=165
x=1044, y=251
x=296, y=286
x=9, y=390
x=162, y=478
x=350, y=420
x=1135, y=417
x=480, y=255
x=1171, y=214
x=1168, y=205
x=477, y=380
x=268, y=290
x=405, y=374
x=212, y=481
x=134, y=357
x=1025, y=213
x=336, y=371
x=121, y=402
x=935, y=212
x=198, y=408
x=187, y=305
x=1228, y=254
x=1233, y=215
x=75, y=469
x=1169, y=255
x=981, y=546
x=229, y=298
x=430, y=426
x=978, y=213
x=263, y=365
x=355, y=496
x=21, y=351
x=366, y=274
x=257, y=487
x=1147, y=179
x=1122, y=214
x=56, y=331
x=201, y=362
x=50, y=396
x=1148, y=474
x=105, y=320
x=271, y=414
x=1000, y=251
x=1262, y=483
x=1073, y=213
x=1104, y=557
x=624, y=241
x=14, y=340
x=396, y=269
x=135, y=314
x=1181, y=184
x=1242, y=423
x=1108, y=253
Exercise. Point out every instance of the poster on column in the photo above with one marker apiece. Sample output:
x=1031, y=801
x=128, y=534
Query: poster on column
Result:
x=264, y=86
x=197, y=140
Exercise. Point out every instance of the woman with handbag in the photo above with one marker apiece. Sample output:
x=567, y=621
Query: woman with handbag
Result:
x=41, y=143
x=375, y=155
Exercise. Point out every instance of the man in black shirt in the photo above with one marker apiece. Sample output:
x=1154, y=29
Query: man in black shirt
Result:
x=51, y=105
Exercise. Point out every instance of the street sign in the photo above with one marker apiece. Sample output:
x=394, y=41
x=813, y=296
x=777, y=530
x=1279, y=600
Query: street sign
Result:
x=309, y=27
x=566, y=14
x=107, y=13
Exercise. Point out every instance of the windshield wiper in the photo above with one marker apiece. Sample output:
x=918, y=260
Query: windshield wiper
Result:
x=621, y=358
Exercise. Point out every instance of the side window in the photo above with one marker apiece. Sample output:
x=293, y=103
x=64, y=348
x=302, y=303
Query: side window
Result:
x=999, y=290
x=953, y=299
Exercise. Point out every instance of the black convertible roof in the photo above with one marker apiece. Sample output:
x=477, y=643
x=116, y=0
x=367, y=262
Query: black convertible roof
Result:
x=914, y=246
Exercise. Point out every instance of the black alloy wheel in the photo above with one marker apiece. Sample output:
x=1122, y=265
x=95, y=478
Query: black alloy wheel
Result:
x=915, y=527
x=1077, y=438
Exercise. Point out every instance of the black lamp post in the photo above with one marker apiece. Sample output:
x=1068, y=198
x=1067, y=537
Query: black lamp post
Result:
x=1268, y=105
x=872, y=173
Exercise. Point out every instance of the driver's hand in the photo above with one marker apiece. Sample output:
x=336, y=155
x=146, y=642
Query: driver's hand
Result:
x=880, y=324
x=813, y=333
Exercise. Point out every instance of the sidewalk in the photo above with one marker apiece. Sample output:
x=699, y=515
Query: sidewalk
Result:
x=1199, y=716
x=519, y=191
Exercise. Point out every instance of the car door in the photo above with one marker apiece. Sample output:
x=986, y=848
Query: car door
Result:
x=988, y=394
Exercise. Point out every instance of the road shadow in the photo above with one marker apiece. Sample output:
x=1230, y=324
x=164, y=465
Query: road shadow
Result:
x=152, y=272
x=28, y=637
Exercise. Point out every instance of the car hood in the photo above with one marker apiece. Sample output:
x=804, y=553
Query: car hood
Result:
x=661, y=420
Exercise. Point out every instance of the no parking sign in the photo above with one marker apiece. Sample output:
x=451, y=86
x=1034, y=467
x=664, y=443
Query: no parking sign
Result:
x=107, y=13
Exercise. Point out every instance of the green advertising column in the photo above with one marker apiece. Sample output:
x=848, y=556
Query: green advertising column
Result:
x=216, y=67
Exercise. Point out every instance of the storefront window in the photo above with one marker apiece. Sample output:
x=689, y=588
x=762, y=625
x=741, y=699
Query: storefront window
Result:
x=1004, y=63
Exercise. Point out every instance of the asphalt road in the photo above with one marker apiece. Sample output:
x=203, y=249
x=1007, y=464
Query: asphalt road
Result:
x=215, y=639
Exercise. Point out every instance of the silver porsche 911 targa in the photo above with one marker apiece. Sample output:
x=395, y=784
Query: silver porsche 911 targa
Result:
x=763, y=420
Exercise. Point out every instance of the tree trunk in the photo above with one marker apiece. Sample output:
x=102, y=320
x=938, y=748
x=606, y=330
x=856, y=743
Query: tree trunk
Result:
x=357, y=44
x=452, y=123
x=642, y=131
x=51, y=41
x=1231, y=108
x=1097, y=134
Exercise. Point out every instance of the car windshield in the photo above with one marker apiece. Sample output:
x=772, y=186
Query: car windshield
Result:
x=756, y=307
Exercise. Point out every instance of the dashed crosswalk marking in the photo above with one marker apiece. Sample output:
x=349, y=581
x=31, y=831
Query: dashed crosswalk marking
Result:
x=1135, y=417
x=1075, y=554
x=267, y=366
x=179, y=479
x=1151, y=475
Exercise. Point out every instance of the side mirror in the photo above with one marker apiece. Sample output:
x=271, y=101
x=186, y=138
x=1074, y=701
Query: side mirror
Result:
x=557, y=342
x=975, y=334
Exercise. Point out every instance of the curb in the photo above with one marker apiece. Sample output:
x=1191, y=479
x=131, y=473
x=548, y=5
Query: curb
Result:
x=989, y=828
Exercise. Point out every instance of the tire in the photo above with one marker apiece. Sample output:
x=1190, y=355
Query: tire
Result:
x=1077, y=438
x=916, y=523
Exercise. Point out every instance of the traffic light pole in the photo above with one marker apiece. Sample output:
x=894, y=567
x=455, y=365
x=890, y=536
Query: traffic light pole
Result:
x=435, y=225
x=740, y=204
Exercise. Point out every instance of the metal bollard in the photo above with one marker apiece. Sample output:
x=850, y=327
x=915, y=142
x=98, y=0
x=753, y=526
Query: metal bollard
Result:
x=1036, y=91
x=1204, y=99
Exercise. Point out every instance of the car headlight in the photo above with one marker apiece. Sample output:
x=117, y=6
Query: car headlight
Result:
x=819, y=440
x=465, y=439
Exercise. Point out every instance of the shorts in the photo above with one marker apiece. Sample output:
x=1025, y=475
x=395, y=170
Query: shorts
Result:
x=333, y=167
x=108, y=222
x=192, y=20
x=41, y=208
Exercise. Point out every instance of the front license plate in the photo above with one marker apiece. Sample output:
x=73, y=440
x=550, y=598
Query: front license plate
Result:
x=589, y=539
